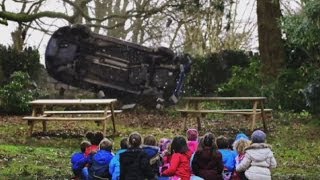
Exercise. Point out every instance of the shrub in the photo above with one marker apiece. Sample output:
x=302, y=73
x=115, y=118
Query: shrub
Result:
x=12, y=60
x=213, y=69
x=14, y=96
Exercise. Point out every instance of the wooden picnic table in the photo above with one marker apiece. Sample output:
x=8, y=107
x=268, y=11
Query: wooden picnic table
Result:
x=40, y=112
x=192, y=107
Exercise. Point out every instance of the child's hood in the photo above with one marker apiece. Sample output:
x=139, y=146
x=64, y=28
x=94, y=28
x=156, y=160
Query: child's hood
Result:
x=151, y=150
x=259, y=151
x=103, y=156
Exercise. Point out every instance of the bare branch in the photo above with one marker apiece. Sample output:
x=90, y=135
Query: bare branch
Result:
x=23, y=17
x=3, y=7
x=37, y=3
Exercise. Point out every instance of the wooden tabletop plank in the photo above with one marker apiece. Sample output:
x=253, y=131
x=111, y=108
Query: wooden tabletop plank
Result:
x=223, y=98
x=71, y=101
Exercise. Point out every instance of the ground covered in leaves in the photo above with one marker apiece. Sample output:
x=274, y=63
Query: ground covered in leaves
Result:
x=295, y=140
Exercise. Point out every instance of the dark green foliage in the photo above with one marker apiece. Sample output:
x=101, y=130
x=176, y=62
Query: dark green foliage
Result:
x=302, y=29
x=14, y=96
x=213, y=69
x=12, y=60
x=286, y=93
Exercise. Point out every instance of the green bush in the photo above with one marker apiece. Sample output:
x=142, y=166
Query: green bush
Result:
x=14, y=96
x=286, y=93
x=12, y=60
x=209, y=71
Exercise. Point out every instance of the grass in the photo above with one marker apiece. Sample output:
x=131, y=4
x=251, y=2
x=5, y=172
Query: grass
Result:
x=295, y=141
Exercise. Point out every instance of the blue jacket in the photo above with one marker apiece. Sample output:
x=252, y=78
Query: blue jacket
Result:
x=100, y=164
x=151, y=150
x=114, y=166
x=78, y=161
x=153, y=153
x=229, y=159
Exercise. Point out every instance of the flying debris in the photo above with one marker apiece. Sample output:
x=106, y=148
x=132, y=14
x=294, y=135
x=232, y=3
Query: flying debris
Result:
x=127, y=71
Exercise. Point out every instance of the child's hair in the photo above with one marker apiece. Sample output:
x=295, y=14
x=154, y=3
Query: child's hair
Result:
x=124, y=143
x=222, y=142
x=179, y=145
x=90, y=136
x=98, y=136
x=230, y=143
x=95, y=138
x=208, y=140
x=83, y=145
x=192, y=134
x=135, y=140
x=105, y=144
x=150, y=140
x=240, y=145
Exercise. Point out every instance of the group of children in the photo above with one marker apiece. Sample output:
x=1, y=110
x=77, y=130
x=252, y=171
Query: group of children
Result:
x=181, y=158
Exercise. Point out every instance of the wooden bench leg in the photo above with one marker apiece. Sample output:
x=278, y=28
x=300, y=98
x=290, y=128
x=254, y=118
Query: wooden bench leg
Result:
x=199, y=123
x=263, y=117
x=105, y=127
x=30, y=124
x=113, y=119
x=44, y=126
x=254, y=116
x=185, y=120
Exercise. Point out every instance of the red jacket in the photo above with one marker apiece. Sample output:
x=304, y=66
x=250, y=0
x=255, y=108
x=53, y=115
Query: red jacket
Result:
x=180, y=166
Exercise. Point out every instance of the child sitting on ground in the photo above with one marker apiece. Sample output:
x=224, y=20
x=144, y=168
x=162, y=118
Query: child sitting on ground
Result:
x=228, y=157
x=240, y=144
x=99, y=163
x=207, y=161
x=192, y=137
x=180, y=161
x=79, y=160
x=258, y=158
x=114, y=166
x=153, y=152
x=134, y=163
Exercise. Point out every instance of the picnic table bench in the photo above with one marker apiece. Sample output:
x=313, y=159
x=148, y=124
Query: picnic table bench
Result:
x=192, y=107
x=40, y=112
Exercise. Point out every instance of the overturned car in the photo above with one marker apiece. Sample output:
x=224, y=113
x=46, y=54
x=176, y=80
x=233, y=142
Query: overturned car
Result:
x=127, y=71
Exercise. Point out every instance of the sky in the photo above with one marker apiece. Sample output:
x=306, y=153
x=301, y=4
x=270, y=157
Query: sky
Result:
x=246, y=12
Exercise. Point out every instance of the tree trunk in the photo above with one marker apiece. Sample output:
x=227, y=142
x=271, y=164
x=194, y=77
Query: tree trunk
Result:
x=271, y=45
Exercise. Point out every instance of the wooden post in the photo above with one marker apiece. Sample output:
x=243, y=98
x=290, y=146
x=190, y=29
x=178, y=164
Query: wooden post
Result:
x=44, y=122
x=255, y=104
x=31, y=122
x=198, y=117
x=185, y=115
x=113, y=118
x=263, y=117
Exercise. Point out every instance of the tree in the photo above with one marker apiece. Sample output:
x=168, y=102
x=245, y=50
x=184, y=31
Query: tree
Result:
x=271, y=45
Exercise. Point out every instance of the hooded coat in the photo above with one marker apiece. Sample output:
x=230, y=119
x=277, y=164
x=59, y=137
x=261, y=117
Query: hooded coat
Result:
x=257, y=162
x=134, y=165
x=100, y=164
x=154, y=157
x=180, y=166
x=207, y=164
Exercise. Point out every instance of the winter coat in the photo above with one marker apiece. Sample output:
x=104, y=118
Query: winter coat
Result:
x=100, y=164
x=229, y=159
x=207, y=164
x=193, y=145
x=239, y=175
x=114, y=166
x=153, y=153
x=134, y=165
x=179, y=166
x=257, y=162
x=78, y=161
